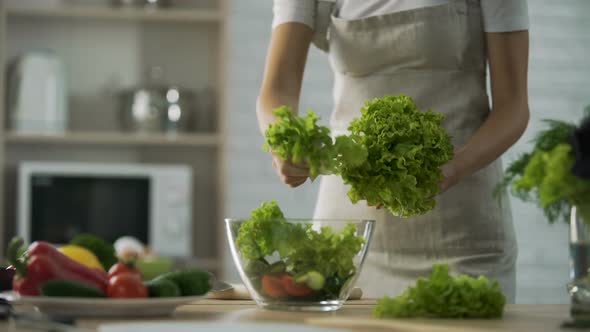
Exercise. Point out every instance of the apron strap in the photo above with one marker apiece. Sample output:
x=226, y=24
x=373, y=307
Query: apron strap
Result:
x=323, y=14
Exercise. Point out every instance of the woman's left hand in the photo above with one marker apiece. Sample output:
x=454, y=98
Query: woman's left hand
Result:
x=450, y=176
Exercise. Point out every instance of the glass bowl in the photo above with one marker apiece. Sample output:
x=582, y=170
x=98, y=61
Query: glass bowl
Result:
x=297, y=264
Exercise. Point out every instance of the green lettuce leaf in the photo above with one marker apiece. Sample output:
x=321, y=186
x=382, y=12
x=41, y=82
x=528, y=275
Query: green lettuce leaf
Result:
x=392, y=157
x=300, y=246
x=302, y=140
x=444, y=296
x=406, y=148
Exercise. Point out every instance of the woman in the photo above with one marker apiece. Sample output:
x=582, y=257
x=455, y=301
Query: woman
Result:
x=436, y=52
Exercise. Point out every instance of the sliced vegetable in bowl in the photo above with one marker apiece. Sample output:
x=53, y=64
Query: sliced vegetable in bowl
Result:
x=298, y=264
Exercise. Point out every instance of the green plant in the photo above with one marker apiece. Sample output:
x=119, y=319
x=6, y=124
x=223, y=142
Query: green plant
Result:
x=554, y=173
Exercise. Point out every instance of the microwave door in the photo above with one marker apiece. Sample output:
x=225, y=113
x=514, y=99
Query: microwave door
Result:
x=109, y=207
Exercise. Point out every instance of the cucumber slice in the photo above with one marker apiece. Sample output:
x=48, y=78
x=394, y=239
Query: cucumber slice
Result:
x=257, y=268
x=312, y=279
x=277, y=267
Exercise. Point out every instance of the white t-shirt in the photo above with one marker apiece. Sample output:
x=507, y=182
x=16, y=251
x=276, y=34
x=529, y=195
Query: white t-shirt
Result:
x=498, y=15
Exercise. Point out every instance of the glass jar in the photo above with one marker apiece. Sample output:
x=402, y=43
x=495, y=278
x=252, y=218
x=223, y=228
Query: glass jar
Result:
x=579, y=246
x=579, y=285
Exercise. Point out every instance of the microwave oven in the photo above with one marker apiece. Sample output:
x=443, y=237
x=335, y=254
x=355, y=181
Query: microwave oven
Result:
x=59, y=200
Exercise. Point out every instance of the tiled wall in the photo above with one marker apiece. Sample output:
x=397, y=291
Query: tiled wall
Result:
x=559, y=81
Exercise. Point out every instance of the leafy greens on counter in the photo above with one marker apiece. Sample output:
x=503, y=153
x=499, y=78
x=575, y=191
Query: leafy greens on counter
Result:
x=392, y=156
x=444, y=296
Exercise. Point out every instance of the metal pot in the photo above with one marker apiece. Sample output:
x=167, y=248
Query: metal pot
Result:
x=142, y=3
x=157, y=109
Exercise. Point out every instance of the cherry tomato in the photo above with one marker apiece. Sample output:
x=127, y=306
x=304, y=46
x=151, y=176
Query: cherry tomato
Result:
x=295, y=289
x=121, y=267
x=126, y=285
x=272, y=285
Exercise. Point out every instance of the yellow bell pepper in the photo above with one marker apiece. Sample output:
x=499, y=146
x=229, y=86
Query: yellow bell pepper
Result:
x=82, y=256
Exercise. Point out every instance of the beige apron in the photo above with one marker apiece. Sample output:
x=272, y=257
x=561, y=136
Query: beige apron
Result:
x=437, y=56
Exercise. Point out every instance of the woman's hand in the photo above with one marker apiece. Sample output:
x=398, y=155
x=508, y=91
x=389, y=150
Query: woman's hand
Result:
x=450, y=176
x=281, y=85
x=290, y=173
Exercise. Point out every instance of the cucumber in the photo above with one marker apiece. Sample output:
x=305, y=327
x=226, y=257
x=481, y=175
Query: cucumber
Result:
x=191, y=282
x=277, y=267
x=68, y=288
x=312, y=279
x=257, y=268
x=161, y=287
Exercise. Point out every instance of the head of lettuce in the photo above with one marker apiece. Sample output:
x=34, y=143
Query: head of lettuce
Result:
x=391, y=158
x=406, y=149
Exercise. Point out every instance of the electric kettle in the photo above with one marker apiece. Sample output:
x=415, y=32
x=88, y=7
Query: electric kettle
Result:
x=37, y=93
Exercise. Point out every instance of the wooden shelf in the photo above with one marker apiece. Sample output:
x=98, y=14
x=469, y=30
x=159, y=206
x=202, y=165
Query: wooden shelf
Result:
x=114, y=138
x=114, y=13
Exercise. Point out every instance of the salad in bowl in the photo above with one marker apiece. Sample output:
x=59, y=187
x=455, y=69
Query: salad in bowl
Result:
x=298, y=264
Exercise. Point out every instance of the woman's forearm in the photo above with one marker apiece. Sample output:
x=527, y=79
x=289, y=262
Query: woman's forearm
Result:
x=283, y=74
x=269, y=100
x=508, y=59
x=503, y=127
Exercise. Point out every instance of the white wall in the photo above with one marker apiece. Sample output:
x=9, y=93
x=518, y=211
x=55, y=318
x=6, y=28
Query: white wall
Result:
x=558, y=88
x=559, y=80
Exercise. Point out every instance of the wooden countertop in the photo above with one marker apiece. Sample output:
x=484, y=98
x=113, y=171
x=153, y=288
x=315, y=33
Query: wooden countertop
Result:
x=356, y=316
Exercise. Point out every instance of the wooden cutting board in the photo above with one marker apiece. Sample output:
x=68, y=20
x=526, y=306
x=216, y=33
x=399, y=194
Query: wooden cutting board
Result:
x=541, y=318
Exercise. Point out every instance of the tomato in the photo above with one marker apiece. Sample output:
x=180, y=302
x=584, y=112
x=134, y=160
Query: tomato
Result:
x=272, y=285
x=120, y=268
x=295, y=289
x=126, y=285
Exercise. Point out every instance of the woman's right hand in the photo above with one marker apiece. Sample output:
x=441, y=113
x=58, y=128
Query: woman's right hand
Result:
x=281, y=85
x=291, y=174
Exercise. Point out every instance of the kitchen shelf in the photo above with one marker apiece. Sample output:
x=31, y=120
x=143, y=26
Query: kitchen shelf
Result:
x=99, y=46
x=114, y=13
x=114, y=138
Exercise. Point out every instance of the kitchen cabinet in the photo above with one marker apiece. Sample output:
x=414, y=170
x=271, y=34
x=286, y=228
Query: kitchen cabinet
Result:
x=106, y=50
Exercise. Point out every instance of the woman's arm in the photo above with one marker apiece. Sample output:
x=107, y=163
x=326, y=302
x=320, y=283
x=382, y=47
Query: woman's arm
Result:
x=508, y=54
x=283, y=73
x=281, y=85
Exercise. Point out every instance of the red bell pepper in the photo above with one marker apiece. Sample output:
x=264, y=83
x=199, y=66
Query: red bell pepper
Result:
x=97, y=276
x=43, y=262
